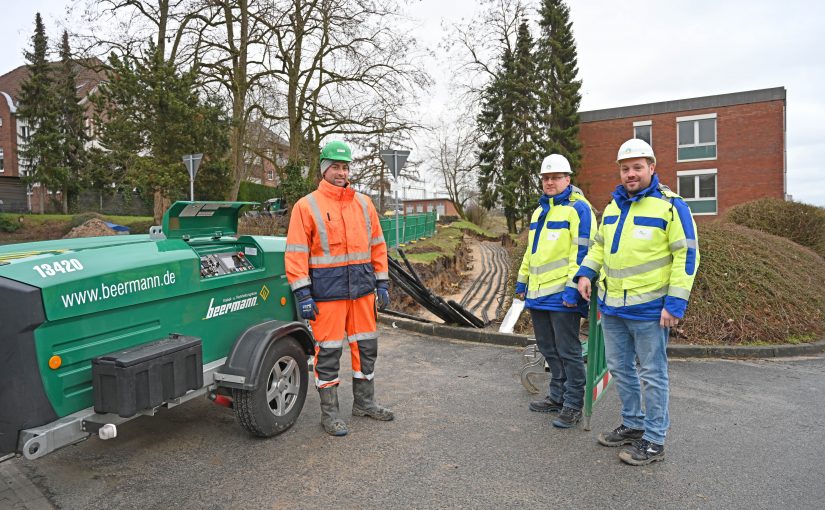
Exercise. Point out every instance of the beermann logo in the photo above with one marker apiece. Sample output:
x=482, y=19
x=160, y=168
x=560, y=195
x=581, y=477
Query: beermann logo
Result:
x=236, y=304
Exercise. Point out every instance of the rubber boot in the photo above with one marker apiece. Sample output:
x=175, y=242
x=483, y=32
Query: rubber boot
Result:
x=333, y=424
x=364, y=404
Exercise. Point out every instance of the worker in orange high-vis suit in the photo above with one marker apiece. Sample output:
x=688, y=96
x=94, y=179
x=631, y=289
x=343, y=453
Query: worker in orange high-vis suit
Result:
x=336, y=262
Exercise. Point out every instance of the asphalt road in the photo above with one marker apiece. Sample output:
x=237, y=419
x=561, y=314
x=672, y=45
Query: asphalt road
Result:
x=745, y=434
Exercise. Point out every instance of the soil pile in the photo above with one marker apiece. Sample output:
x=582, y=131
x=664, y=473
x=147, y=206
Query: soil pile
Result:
x=92, y=228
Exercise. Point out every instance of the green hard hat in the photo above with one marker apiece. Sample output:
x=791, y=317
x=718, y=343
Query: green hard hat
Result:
x=337, y=150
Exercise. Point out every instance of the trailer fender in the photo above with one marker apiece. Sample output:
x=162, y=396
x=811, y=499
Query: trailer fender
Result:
x=244, y=361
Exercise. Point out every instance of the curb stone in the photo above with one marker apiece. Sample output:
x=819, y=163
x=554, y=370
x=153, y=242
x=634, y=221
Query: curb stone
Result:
x=673, y=350
x=17, y=492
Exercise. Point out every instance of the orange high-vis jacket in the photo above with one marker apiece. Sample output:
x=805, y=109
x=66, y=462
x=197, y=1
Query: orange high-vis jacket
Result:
x=335, y=244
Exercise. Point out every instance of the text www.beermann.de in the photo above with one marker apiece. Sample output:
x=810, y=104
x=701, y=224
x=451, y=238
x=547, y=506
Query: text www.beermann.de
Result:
x=110, y=290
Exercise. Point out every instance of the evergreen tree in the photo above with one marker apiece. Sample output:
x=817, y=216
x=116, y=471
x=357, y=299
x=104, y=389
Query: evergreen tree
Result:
x=70, y=123
x=508, y=152
x=559, y=96
x=150, y=116
x=40, y=154
x=526, y=151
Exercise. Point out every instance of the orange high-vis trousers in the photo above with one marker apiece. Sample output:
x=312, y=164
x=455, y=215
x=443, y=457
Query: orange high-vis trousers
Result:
x=347, y=320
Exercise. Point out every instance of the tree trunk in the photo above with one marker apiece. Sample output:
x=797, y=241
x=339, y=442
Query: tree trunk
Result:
x=161, y=204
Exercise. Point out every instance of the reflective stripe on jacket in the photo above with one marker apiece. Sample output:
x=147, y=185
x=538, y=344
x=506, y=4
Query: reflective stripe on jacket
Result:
x=335, y=244
x=646, y=254
x=561, y=230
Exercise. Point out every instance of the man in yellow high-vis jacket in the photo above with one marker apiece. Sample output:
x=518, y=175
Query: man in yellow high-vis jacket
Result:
x=561, y=230
x=645, y=259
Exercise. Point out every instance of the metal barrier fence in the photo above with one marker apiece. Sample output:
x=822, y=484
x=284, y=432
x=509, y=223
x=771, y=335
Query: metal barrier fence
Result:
x=410, y=227
x=598, y=377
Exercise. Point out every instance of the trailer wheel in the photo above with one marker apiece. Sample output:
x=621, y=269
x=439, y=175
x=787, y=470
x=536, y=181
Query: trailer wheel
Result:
x=281, y=390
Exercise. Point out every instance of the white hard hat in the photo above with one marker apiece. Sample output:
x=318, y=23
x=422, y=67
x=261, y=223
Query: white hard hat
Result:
x=555, y=164
x=635, y=148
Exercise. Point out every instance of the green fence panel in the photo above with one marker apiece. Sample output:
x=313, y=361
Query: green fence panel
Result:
x=598, y=377
x=411, y=227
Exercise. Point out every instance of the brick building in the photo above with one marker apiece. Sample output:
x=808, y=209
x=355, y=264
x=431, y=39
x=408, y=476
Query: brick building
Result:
x=443, y=206
x=14, y=132
x=715, y=151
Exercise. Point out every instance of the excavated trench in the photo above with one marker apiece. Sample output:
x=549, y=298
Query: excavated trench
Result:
x=475, y=276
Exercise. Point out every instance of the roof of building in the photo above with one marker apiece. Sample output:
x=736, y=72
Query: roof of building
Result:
x=681, y=105
x=88, y=77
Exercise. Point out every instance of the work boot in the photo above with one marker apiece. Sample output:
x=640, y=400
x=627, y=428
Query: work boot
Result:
x=333, y=424
x=642, y=452
x=620, y=435
x=546, y=405
x=363, y=403
x=568, y=417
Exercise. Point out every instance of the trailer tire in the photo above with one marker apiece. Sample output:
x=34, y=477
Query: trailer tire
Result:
x=274, y=405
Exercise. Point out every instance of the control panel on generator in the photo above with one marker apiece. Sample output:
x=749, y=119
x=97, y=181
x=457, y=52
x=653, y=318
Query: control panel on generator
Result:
x=217, y=264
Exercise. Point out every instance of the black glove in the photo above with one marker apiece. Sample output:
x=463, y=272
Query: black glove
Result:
x=307, y=305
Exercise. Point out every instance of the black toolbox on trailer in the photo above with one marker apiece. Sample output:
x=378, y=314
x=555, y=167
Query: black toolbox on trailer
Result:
x=126, y=382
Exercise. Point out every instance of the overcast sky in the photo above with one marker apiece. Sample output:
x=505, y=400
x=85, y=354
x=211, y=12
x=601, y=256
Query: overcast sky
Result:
x=633, y=52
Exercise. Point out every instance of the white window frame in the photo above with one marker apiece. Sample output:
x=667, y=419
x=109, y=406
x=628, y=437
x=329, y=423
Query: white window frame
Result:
x=270, y=175
x=691, y=118
x=2, y=161
x=641, y=123
x=696, y=174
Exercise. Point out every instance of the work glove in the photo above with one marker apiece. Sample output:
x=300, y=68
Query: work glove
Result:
x=521, y=290
x=306, y=304
x=383, y=294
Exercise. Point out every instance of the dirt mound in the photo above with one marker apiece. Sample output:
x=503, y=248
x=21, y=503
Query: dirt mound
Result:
x=753, y=287
x=91, y=228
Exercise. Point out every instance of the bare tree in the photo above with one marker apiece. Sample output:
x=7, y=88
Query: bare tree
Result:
x=454, y=151
x=476, y=45
x=343, y=70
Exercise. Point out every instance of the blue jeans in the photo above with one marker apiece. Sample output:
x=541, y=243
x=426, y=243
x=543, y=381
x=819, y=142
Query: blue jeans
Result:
x=557, y=337
x=624, y=341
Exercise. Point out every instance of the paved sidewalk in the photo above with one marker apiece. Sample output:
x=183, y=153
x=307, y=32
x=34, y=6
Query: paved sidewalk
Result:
x=17, y=492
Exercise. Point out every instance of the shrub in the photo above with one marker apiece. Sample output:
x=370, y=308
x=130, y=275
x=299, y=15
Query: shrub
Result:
x=475, y=214
x=753, y=287
x=251, y=192
x=801, y=223
x=9, y=224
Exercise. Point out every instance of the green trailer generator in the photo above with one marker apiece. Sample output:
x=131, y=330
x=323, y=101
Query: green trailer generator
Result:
x=98, y=331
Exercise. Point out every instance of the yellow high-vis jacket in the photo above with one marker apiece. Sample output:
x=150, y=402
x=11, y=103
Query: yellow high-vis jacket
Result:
x=562, y=229
x=645, y=254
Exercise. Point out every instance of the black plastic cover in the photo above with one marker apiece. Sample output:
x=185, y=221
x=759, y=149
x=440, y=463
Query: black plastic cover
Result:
x=23, y=400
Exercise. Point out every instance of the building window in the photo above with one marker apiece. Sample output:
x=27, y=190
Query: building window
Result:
x=420, y=208
x=698, y=188
x=2, y=162
x=440, y=209
x=270, y=175
x=409, y=209
x=24, y=133
x=643, y=130
x=696, y=137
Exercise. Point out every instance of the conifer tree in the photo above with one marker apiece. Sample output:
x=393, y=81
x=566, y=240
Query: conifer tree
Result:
x=508, y=151
x=559, y=96
x=70, y=123
x=153, y=116
x=40, y=153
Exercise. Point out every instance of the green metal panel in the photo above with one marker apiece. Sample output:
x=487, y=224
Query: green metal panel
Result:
x=700, y=152
x=702, y=206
